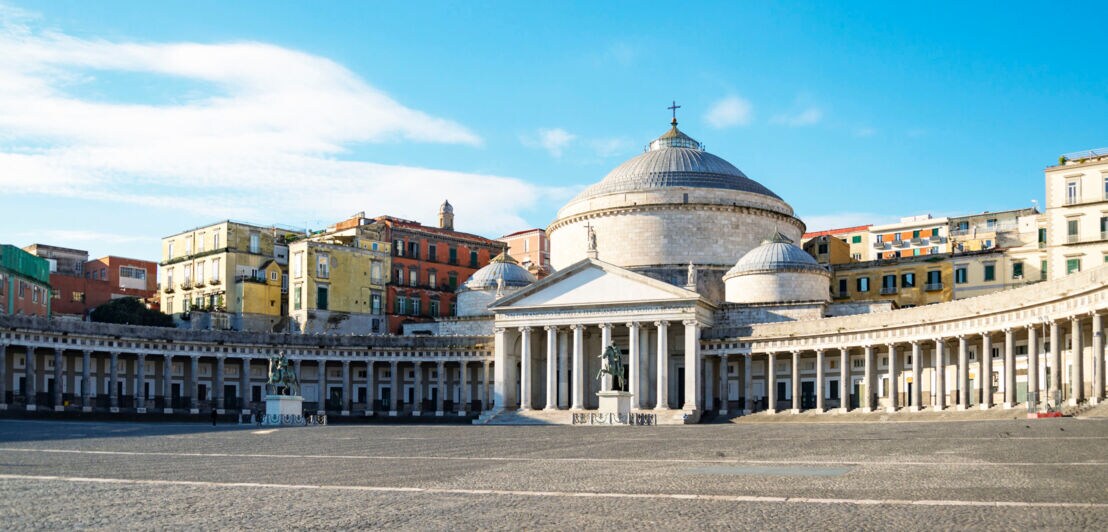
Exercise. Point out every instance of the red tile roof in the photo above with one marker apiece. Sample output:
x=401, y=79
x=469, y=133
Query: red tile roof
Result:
x=838, y=231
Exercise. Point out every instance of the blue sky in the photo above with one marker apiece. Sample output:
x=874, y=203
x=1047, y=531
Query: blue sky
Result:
x=122, y=122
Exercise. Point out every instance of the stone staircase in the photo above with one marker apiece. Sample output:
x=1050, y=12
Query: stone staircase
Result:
x=527, y=417
x=1078, y=409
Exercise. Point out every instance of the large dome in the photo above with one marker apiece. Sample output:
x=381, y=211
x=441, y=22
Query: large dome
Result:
x=674, y=160
x=776, y=254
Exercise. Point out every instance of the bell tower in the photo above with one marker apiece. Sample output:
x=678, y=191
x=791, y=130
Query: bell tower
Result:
x=446, y=215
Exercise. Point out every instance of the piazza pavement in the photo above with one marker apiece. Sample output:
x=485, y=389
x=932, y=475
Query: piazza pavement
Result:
x=972, y=474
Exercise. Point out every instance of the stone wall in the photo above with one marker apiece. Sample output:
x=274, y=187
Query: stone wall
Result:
x=853, y=308
x=334, y=322
x=735, y=319
x=778, y=287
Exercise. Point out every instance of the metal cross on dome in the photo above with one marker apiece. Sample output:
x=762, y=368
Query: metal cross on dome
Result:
x=674, y=107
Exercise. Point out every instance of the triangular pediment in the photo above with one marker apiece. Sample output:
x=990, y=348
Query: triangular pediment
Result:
x=591, y=282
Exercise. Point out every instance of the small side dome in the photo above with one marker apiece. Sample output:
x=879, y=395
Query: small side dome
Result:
x=777, y=272
x=501, y=272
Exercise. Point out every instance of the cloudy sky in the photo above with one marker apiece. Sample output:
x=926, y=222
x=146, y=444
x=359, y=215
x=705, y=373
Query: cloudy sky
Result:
x=122, y=122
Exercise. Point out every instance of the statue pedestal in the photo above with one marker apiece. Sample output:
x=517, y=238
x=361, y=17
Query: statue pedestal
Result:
x=284, y=410
x=614, y=402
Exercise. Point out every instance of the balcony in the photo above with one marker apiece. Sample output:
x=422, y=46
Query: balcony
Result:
x=900, y=243
x=1073, y=239
x=214, y=282
x=1042, y=245
x=917, y=241
x=888, y=290
x=881, y=245
x=933, y=287
x=169, y=289
x=249, y=279
x=186, y=284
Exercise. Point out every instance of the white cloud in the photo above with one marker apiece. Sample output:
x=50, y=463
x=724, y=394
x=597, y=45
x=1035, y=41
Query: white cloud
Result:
x=554, y=141
x=806, y=117
x=253, y=131
x=729, y=112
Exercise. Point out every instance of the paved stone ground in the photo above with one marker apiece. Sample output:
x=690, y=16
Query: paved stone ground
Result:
x=1000, y=474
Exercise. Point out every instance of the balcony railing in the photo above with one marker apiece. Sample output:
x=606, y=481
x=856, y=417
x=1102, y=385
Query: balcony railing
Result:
x=169, y=289
x=1042, y=245
x=917, y=241
x=186, y=284
x=1073, y=239
x=214, y=282
x=881, y=245
x=888, y=290
x=933, y=287
x=249, y=279
x=901, y=243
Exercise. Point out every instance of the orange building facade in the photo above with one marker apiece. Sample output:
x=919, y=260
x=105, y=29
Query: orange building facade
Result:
x=531, y=248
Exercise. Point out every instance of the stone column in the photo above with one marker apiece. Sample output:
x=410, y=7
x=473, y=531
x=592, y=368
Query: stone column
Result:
x=1033, y=398
x=963, y=373
x=692, y=365
x=578, y=367
x=525, y=365
x=708, y=400
x=796, y=382
x=467, y=395
x=440, y=370
x=370, y=387
x=986, y=370
x=487, y=399
x=605, y=340
x=4, y=376
x=167, y=384
x=1055, y=387
x=819, y=380
x=917, y=382
x=1077, y=361
x=663, y=365
x=724, y=389
x=867, y=403
x=321, y=379
x=551, y=367
x=140, y=383
x=194, y=384
x=244, y=382
x=844, y=379
x=748, y=385
x=347, y=388
x=500, y=348
x=894, y=369
x=417, y=409
x=217, y=393
x=86, y=379
x=1009, y=368
x=939, y=392
x=771, y=383
x=563, y=370
x=59, y=364
x=633, y=369
x=1098, y=359
x=113, y=386
x=397, y=396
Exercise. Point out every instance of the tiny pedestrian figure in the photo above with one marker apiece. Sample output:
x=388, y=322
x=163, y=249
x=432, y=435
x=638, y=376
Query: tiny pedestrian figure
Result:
x=215, y=416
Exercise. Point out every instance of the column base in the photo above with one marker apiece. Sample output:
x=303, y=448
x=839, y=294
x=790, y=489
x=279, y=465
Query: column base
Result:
x=191, y=410
x=961, y=408
x=913, y=408
x=1074, y=401
x=140, y=410
x=1009, y=406
x=794, y=410
x=746, y=412
x=86, y=409
x=167, y=410
x=985, y=407
x=1095, y=401
x=344, y=412
x=367, y=413
x=722, y=412
x=417, y=412
x=392, y=413
x=820, y=409
x=550, y=409
x=59, y=408
x=844, y=410
x=438, y=413
x=462, y=413
x=890, y=409
x=866, y=410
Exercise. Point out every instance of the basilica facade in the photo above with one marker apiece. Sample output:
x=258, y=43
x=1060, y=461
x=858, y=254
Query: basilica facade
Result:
x=678, y=259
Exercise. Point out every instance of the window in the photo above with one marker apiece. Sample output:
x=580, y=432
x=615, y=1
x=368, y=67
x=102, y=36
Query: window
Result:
x=934, y=250
x=34, y=294
x=323, y=266
x=842, y=287
x=896, y=237
x=526, y=246
x=822, y=249
x=915, y=234
x=78, y=297
x=862, y=284
x=432, y=252
x=858, y=363
x=1042, y=235
x=995, y=352
x=990, y=272
x=856, y=239
x=434, y=308
x=188, y=246
x=1106, y=187
x=255, y=243
x=473, y=258
x=888, y=281
x=453, y=308
x=399, y=276
x=1073, y=266
x=396, y=305
x=1104, y=227
x=1042, y=270
x=1017, y=270
x=273, y=275
x=935, y=232
x=132, y=273
x=990, y=223
x=321, y=292
x=1071, y=228
x=215, y=240
x=200, y=243
x=1071, y=192
x=215, y=270
x=856, y=256
x=432, y=278
x=960, y=275
x=415, y=306
x=908, y=280
x=296, y=296
x=413, y=250
x=453, y=255
x=413, y=277
x=169, y=250
x=375, y=272
x=169, y=278
x=375, y=303
x=453, y=282
x=297, y=264
x=398, y=247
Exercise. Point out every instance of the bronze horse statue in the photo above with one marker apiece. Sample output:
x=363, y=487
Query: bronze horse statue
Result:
x=613, y=364
x=282, y=379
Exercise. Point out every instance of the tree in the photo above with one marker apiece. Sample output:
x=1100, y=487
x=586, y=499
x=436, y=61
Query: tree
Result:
x=130, y=311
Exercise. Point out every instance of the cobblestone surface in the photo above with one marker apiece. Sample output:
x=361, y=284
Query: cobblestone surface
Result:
x=1013, y=474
